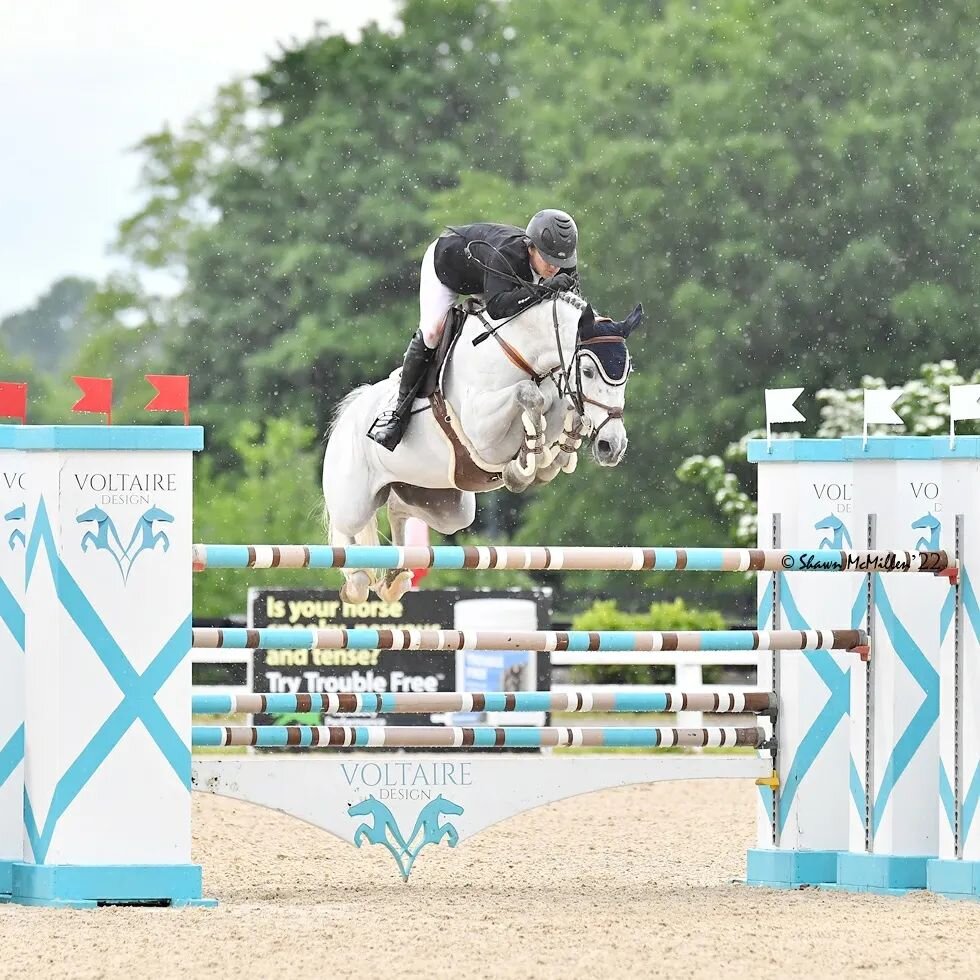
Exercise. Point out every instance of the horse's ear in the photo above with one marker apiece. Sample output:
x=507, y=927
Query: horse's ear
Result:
x=633, y=320
x=586, y=323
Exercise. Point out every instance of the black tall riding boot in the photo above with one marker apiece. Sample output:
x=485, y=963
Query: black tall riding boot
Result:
x=389, y=427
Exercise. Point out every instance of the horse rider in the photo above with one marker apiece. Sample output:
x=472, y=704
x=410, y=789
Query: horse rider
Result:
x=509, y=267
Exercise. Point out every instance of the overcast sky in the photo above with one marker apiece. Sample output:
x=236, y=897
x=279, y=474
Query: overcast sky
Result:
x=80, y=82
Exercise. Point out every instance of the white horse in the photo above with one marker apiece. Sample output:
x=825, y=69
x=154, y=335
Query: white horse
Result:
x=523, y=397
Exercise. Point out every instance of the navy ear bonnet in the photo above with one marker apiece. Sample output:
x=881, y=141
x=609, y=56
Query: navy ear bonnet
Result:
x=605, y=342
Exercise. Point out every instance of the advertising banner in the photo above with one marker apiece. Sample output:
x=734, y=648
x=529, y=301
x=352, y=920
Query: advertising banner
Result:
x=376, y=671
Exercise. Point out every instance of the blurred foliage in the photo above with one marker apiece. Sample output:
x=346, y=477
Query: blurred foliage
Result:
x=270, y=499
x=50, y=332
x=660, y=616
x=791, y=187
x=923, y=405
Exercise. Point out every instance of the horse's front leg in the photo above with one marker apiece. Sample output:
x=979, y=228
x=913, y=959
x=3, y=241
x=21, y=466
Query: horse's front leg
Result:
x=519, y=473
x=566, y=449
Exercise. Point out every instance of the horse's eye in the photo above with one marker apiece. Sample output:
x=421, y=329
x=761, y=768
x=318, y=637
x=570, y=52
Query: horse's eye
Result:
x=589, y=372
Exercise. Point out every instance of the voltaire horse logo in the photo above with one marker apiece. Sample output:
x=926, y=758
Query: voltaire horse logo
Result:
x=840, y=539
x=17, y=514
x=105, y=537
x=385, y=831
x=934, y=526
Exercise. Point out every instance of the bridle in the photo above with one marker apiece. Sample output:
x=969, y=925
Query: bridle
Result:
x=579, y=398
x=562, y=370
x=561, y=375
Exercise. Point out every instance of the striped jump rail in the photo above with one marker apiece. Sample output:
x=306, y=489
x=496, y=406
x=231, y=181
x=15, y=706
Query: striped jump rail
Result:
x=580, y=558
x=755, y=702
x=338, y=638
x=412, y=737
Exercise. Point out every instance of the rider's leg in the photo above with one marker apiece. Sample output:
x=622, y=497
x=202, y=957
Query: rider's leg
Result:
x=435, y=301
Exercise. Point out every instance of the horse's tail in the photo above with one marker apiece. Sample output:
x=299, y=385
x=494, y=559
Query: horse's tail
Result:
x=368, y=535
x=342, y=406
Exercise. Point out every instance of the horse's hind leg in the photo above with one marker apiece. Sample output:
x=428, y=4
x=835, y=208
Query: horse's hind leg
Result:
x=446, y=511
x=355, y=522
x=357, y=581
x=396, y=582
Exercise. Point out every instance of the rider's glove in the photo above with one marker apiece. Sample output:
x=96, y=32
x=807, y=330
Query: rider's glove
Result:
x=560, y=283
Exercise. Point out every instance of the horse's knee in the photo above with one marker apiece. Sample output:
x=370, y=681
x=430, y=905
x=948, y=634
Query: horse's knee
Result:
x=529, y=396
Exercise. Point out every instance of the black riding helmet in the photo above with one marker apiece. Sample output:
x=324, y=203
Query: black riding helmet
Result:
x=555, y=236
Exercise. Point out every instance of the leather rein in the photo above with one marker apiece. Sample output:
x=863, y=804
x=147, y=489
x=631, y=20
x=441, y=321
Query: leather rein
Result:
x=517, y=358
x=562, y=370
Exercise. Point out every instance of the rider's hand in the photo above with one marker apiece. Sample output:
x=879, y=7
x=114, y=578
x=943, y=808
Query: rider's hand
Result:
x=560, y=283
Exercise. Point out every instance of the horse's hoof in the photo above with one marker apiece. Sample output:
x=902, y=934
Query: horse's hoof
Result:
x=393, y=591
x=569, y=467
x=356, y=588
x=515, y=481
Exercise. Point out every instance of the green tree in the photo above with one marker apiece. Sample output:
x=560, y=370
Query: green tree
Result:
x=791, y=187
x=272, y=489
x=659, y=616
x=923, y=405
x=21, y=369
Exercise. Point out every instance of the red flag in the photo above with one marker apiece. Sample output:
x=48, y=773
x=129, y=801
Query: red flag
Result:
x=13, y=401
x=96, y=396
x=173, y=394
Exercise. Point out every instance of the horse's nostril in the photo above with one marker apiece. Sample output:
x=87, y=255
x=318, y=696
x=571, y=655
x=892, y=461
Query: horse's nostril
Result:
x=605, y=446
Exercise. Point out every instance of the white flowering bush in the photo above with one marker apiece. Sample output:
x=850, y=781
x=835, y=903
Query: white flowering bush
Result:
x=923, y=404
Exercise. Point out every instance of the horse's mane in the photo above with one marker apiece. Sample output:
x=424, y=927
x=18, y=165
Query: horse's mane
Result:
x=574, y=299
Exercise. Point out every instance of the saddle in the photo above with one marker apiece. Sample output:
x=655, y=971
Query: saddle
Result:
x=455, y=319
x=466, y=469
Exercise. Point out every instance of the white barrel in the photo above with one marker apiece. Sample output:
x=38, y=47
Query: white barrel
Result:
x=497, y=614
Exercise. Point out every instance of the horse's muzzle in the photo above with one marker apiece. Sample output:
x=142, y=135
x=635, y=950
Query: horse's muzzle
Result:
x=608, y=451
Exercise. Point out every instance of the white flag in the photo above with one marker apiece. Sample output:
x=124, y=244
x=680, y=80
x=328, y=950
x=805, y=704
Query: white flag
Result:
x=780, y=407
x=964, y=402
x=878, y=407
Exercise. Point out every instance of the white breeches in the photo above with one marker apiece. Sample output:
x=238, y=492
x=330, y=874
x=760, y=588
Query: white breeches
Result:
x=435, y=300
